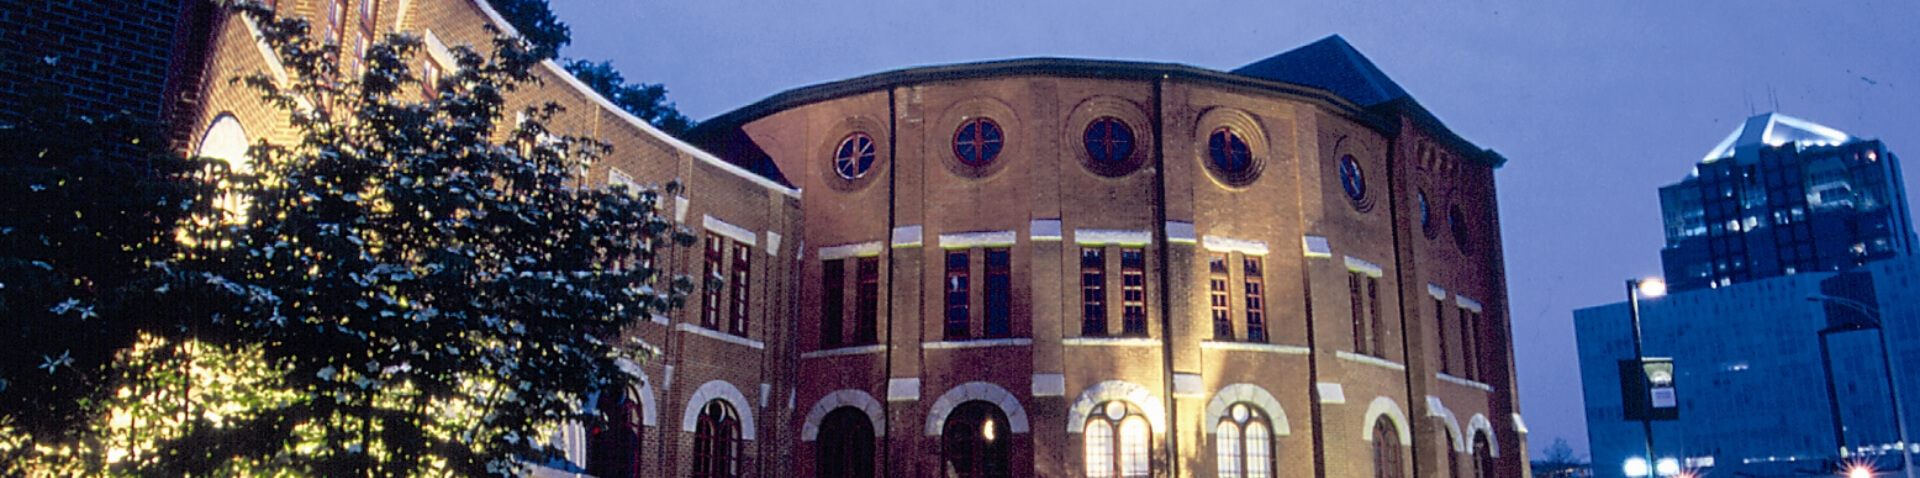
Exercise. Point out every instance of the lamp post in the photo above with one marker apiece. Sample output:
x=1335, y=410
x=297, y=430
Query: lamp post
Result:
x=1652, y=288
x=1886, y=357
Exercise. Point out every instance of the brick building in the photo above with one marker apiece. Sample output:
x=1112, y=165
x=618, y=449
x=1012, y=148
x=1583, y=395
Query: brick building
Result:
x=1038, y=268
x=137, y=58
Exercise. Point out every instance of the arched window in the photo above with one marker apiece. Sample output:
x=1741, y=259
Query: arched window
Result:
x=1482, y=456
x=1243, y=441
x=976, y=442
x=1387, y=462
x=845, y=446
x=716, y=442
x=1119, y=442
x=613, y=448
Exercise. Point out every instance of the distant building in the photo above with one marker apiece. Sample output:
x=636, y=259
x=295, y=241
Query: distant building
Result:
x=1788, y=251
x=1782, y=196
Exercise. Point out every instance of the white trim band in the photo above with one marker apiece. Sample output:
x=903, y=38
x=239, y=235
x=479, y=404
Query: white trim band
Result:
x=1180, y=232
x=843, y=251
x=1437, y=292
x=1044, y=230
x=1228, y=244
x=1466, y=303
x=906, y=236
x=1463, y=382
x=844, y=351
x=1255, y=347
x=1315, y=246
x=1111, y=341
x=974, y=344
x=965, y=240
x=724, y=228
x=1356, y=264
x=1371, y=360
x=1112, y=236
x=718, y=335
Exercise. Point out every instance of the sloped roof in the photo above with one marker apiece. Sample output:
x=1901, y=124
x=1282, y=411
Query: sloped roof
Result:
x=1331, y=64
x=1774, y=129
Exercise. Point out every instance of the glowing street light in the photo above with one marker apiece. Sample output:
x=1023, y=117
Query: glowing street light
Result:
x=1861, y=471
x=1636, y=467
x=1667, y=467
x=1652, y=287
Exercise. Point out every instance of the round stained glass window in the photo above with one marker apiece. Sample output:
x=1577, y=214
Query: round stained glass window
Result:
x=1426, y=216
x=1229, y=151
x=977, y=142
x=1352, y=179
x=1109, y=140
x=854, y=157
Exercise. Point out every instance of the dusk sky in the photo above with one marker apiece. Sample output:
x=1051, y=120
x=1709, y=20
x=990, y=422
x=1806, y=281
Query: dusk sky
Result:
x=1595, y=104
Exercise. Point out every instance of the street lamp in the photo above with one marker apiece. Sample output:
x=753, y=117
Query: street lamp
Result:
x=1636, y=467
x=1651, y=287
x=1886, y=357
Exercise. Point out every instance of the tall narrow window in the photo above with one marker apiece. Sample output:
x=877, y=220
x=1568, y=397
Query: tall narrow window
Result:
x=1470, y=343
x=845, y=445
x=715, y=281
x=999, y=292
x=1093, y=291
x=1244, y=444
x=716, y=442
x=742, y=277
x=1256, y=300
x=1440, y=326
x=1118, y=442
x=867, y=298
x=1217, y=298
x=1482, y=457
x=833, y=289
x=1387, y=462
x=1374, y=331
x=1453, y=457
x=976, y=442
x=959, y=294
x=1361, y=340
x=1133, y=289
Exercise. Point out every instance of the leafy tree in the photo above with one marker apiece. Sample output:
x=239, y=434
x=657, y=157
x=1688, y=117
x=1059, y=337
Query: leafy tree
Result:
x=429, y=301
x=646, y=101
x=86, y=204
x=536, y=23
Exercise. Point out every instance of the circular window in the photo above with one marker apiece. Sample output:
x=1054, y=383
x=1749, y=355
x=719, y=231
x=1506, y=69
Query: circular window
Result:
x=1457, y=221
x=1109, y=140
x=977, y=142
x=1426, y=216
x=1352, y=179
x=1229, y=151
x=854, y=157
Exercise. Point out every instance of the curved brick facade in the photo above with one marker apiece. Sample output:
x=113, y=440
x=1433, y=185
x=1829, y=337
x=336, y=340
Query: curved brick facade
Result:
x=1037, y=234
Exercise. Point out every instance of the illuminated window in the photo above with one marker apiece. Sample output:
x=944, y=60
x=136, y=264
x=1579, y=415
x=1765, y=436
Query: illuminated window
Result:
x=1243, y=442
x=1387, y=462
x=1133, y=291
x=716, y=442
x=977, y=142
x=854, y=157
x=845, y=445
x=1256, y=299
x=742, y=277
x=1125, y=454
x=429, y=78
x=1109, y=140
x=613, y=448
x=715, y=281
x=867, y=298
x=1217, y=297
x=833, y=290
x=977, y=442
x=959, y=294
x=999, y=292
x=336, y=18
x=1093, y=291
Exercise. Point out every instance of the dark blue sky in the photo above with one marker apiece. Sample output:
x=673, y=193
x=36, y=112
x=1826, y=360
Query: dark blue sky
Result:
x=1595, y=104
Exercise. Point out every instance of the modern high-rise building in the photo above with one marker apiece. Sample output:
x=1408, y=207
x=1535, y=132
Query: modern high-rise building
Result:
x=1788, y=251
x=1782, y=196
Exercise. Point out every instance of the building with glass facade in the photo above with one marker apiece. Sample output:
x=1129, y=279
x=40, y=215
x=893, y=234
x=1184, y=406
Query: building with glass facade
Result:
x=1782, y=196
x=1788, y=252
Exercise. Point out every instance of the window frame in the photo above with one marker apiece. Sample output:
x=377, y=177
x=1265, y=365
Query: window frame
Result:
x=1093, y=291
x=1133, y=291
x=1219, y=296
x=1389, y=458
x=1240, y=463
x=1254, y=298
x=867, y=301
x=1125, y=455
x=739, y=286
x=958, y=291
x=716, y=442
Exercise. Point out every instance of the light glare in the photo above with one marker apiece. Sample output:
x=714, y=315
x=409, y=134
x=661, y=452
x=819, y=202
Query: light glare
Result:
x=1636, y=467
x=1653, y=287
x=1667, y=467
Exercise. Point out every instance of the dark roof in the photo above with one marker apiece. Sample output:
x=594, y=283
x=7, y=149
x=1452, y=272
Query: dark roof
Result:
x=1331, y=64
